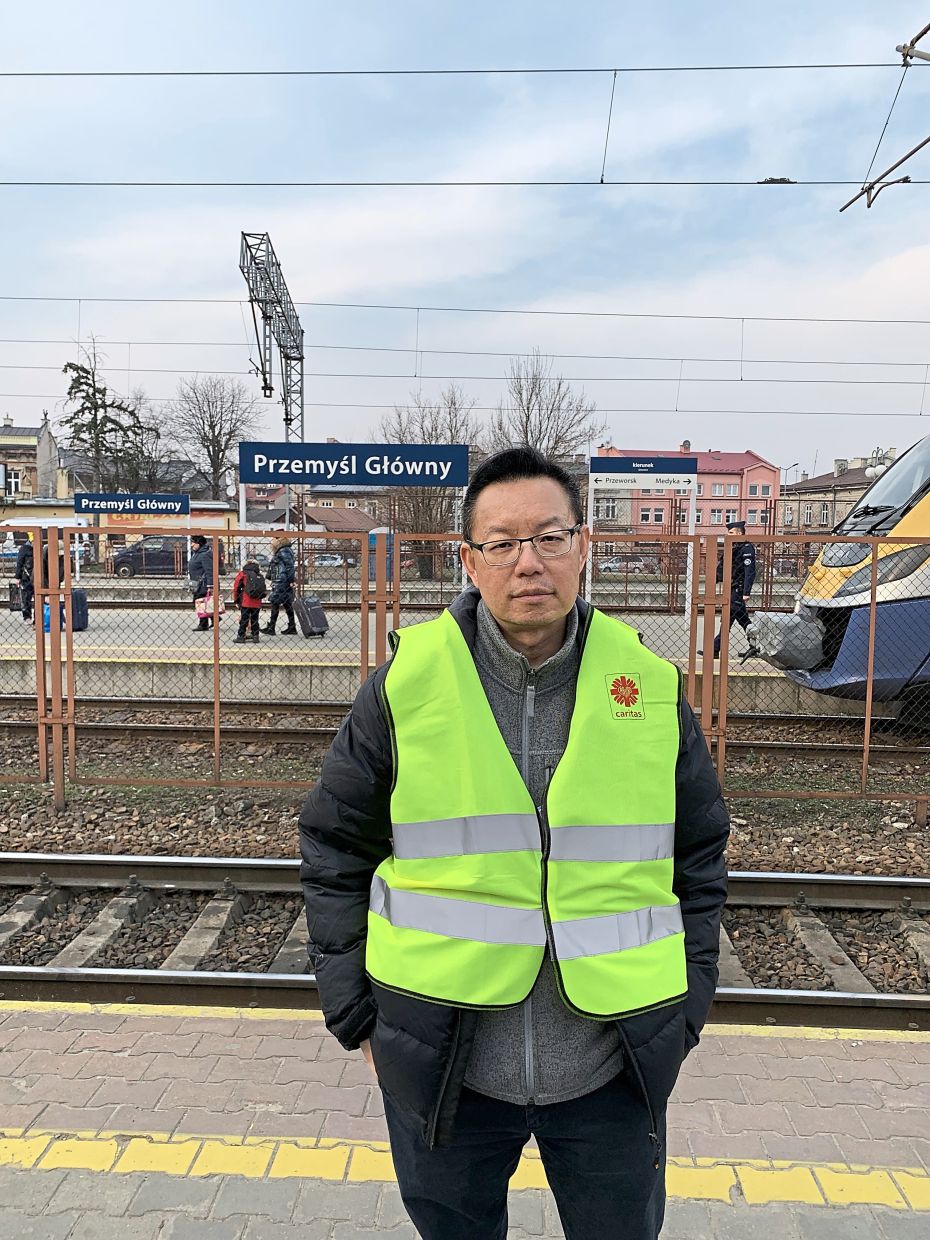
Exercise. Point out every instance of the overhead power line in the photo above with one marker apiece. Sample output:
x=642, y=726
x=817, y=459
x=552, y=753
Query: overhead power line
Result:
x=551, y=184
x=534, y=312
x=411, y=350
x=716, y=411
x=487, y=72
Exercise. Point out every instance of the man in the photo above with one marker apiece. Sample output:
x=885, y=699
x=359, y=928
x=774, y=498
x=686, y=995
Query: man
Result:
x=742, y=575
x=25, y=563
x=493, y=860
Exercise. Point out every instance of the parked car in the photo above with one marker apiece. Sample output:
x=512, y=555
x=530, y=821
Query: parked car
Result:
x=156, y=555
x=626, y=564
x=333, y=559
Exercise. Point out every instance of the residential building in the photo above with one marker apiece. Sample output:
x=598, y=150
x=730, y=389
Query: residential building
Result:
x=818, y=504
x=18, y=446
x=731, y=486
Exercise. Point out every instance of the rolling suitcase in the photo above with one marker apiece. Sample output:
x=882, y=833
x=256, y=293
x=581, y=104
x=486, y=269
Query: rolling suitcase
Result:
x=80, y=617
x=16, y=597
x=310, y=616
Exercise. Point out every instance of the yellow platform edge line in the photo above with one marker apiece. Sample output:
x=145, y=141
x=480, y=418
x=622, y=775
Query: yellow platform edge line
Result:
x=813, y=1033
x=728, y=1180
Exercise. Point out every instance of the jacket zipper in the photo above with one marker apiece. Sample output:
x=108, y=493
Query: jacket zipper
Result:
x=638, y=1073
x=431, y=1136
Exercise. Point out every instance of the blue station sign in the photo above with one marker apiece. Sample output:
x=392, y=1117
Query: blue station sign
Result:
x=355, y=464
x=123, y=505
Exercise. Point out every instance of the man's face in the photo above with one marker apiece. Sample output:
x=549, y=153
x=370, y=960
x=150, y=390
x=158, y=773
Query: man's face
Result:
x=535, y=591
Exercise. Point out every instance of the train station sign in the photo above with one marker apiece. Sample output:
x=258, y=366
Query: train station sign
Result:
x=354, y=464
x=629, y=473
x=118, y=504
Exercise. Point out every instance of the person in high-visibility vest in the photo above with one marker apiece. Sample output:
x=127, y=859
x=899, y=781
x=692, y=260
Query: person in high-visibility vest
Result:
x=514, y=872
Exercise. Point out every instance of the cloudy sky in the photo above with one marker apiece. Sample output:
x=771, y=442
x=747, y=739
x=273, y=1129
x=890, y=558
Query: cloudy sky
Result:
x=684, y=312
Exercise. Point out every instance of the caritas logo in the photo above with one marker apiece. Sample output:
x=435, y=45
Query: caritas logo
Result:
x=625, y=695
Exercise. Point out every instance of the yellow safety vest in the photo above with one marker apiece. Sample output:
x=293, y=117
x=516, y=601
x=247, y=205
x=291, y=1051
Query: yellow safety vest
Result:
x=479, y=882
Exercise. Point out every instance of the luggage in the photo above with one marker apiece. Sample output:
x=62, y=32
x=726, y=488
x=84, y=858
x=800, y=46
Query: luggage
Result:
x=16, y=596
x=310, y=616
x=79, y=610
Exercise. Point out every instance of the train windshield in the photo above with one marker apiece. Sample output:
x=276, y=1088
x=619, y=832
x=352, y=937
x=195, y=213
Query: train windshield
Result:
x=906, y=479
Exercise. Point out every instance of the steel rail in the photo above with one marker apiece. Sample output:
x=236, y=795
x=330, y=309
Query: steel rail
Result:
x=772, y=888
x=286, y=990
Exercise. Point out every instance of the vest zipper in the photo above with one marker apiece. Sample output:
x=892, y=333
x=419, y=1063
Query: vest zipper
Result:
x=529, y=712
x=638, y=1073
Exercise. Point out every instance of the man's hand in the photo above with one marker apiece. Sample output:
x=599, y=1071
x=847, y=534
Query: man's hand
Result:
x=365, y=1048
x=745, y=598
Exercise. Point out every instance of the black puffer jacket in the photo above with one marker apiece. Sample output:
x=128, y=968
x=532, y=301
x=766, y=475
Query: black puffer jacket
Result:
x=282, y=573
x=420, y=1048
x=200, y=570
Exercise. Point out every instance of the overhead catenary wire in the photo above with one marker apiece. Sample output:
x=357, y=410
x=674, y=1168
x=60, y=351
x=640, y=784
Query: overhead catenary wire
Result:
x=534, y=311
x=586, y=183
x=865, y=179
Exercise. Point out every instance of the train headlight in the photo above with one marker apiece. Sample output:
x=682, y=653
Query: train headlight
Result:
x=890, y=568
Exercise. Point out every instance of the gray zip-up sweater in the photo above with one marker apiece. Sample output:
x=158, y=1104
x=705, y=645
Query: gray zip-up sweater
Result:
x=539, y=1051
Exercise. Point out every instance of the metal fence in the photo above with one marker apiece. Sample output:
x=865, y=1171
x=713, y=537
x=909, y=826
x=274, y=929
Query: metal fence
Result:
x=839, y=709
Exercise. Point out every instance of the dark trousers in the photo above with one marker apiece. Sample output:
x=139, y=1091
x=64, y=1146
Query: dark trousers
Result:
x=248, y=618
x=27, y=594
x=287, y=608
x=738, y=615
x=597, y=1153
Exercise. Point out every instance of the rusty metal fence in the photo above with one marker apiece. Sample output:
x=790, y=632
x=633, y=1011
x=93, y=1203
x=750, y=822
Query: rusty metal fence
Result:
x=821, y=689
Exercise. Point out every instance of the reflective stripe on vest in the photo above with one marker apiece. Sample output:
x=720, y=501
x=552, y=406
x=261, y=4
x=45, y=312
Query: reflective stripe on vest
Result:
x=452, y=837
x=479, y=882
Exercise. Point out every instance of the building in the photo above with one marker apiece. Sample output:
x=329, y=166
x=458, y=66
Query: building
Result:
x=731, y=486
x=818, y=504
x=18, y=447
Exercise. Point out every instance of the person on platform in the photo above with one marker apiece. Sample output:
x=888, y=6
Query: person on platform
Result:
x=742, y=575
x=200, y=571
x=282, y=572
x=513, y=864
x=249, y=588
x=23, y=576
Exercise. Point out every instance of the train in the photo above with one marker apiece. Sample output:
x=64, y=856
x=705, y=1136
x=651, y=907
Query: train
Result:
x=824, y=644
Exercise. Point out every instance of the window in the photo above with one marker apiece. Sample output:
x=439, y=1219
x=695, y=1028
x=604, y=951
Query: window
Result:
x=660, y=491
x=646, y=491
x=351, y=503
x=716, y=516
x=700, y=488
x=732, y=488
x=716, y=488
x=326, y=503
x=658, y=515
x=698, y=516
x=752, y=516
x=764, y=516
x=645, y=516
x=14, y=481
x=682, y=491
x=606, y=509
x=789, y=515
x=808, y=514
x=753, y=488
x=682, y=514
x=766, y=489
x=824, y=513
x=732, y=515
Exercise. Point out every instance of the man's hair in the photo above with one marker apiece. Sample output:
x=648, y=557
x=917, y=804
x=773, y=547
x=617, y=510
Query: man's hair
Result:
x=513, y=465
x=200, y=539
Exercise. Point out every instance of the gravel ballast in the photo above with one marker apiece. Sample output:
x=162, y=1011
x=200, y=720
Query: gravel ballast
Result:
x=42, y=942
x=771, y=954
x=251, y=944
x=147, y=944
x=878, y=947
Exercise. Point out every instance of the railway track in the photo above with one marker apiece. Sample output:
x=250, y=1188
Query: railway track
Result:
x=83, y=911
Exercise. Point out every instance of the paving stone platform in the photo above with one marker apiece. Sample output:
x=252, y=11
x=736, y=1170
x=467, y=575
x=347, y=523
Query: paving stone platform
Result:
x=187, y=1124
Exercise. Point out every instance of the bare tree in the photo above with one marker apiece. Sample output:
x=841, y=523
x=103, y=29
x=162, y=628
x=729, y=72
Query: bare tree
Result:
x=542, y=410
x=98, y=421
x=429, y=510
x=149, y=453
x=212, y=413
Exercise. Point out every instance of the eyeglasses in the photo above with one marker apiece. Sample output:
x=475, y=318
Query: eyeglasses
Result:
x=502, y=552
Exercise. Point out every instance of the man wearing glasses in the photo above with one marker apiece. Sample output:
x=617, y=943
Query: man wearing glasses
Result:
x=514, y=871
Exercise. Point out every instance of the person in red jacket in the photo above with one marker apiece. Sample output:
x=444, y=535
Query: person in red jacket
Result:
x=249, y=589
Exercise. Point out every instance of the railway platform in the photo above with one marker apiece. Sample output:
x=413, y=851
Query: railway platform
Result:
x=137, y=1122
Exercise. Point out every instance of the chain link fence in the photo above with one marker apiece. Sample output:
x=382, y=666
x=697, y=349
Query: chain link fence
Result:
x=813, y=678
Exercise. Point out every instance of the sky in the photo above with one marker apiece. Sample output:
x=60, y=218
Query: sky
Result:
x=683, y=312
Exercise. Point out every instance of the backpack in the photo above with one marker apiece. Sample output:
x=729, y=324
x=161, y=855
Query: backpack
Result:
x=255, y=585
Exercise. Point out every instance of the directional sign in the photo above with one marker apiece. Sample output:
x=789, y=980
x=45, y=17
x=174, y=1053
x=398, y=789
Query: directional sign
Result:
x=355, y=464
x=633, y=472
x=123, y=505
